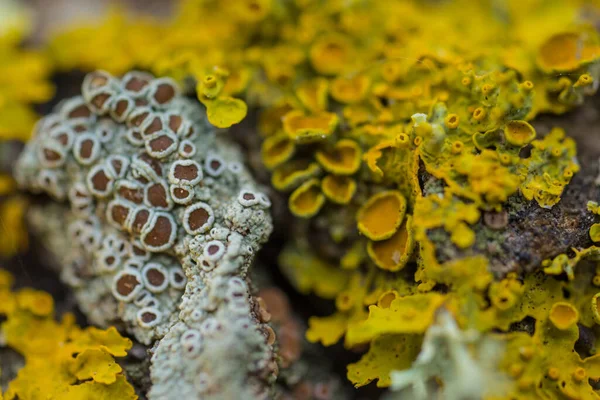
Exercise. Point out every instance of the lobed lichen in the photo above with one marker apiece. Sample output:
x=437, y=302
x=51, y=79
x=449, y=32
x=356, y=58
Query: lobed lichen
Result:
x=66, y=362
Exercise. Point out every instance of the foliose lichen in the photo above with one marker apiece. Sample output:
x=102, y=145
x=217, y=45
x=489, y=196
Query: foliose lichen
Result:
x=65, y=362
x=401, y=147
x=162, y=226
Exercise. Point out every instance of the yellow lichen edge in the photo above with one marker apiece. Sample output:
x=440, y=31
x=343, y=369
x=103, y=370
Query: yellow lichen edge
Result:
x=290, y=175
x=595, y=233
x=412, y=315
x=223, y=112
x=350, y=90
x=313, y=94
x=563, y=315
x=309, y=274
x=595, y=307
x=326, y=330
x=381, y=215
x=338, y=189
x=343, y=159
x=312, y=128
x=387, y=353
x=393, y=253
x=62, y=361
x=567, y=51
x=276, y=150
x=307, y=200
x=519, y=133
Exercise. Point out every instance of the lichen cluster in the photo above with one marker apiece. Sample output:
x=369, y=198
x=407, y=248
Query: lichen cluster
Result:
x=162, y=225
x=394, y=130
x=66, y=361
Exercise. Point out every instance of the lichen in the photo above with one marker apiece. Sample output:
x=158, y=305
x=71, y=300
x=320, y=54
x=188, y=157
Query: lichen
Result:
x=163, y=224
x=386, y=133
x=65, y=362
x=465, y=362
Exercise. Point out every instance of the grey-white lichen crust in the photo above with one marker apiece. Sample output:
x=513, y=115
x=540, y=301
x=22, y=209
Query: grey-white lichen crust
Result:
x=162, y=226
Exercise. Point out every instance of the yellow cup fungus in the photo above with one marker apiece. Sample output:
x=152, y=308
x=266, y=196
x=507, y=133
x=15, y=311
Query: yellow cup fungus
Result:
x=393, y=253
x=309, y=128
x=313, y=94
x=567, y=51
x=386, y=298
x=563, y=315
x=307, y=200
x=331, y=54
x=519, y=133
x=276, y=150
x=210, y=86
x=350, y=90
x=338, y=189
x=381, y=215
x=343, y=159
x=452, y=121
x=291, y=174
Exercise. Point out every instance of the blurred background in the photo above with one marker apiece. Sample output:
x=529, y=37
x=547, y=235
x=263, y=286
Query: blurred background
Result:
x=51, y=15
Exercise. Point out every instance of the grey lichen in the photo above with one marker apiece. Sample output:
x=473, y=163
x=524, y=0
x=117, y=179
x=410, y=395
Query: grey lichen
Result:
x=161, y=229
x=453, y=364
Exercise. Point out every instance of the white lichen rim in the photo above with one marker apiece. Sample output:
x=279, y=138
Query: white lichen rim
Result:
x=204, y=227
x=149, y=285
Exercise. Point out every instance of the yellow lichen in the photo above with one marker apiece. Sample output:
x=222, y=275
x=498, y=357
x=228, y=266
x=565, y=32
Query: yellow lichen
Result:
x=595, y=307
x=24, y=80
x=225, y=111
x=350, y=90
x=97, y=365
x=519, y=133
x=546, y=370
x=410, y=314
x=343, y=159
x=331, y=54
x=338, y=189
x=309, y=128
x=276, y=150
x=438, y=111
x=310, y=274
x=567, y=51
x=563, y=315
x=380, y=217
x=595, y=233
x=446, y=212
x=307, y=199
x=61, y=360
x=313, y=94
x=549, y=168
x=326, y=330
x=387, y=353
x=290, y=175
x=393, y=253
